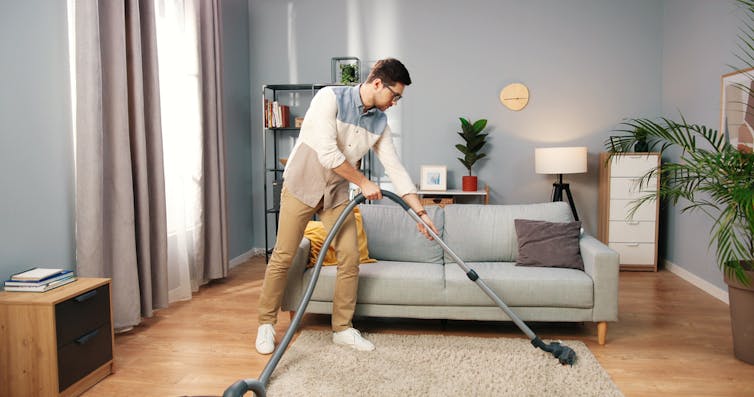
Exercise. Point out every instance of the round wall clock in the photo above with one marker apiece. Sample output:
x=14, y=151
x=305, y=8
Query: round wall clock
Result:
x=514, y=96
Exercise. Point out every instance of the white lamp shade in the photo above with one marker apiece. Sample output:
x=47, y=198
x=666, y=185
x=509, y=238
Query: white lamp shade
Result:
x=560, y=160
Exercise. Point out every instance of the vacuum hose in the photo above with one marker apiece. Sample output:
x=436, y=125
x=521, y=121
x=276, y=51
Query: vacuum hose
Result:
x=563, y=353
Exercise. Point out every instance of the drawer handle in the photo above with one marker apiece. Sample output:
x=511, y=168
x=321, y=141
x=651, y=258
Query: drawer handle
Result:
x=632, y=244
x=83, y=297
x=87, y=337
x=632, y=222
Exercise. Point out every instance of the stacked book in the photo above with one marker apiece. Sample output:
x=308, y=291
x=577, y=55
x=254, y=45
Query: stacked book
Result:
x=39, y=280
x=276, y=115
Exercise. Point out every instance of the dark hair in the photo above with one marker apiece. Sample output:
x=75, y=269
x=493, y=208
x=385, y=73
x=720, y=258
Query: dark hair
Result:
x=390, y=71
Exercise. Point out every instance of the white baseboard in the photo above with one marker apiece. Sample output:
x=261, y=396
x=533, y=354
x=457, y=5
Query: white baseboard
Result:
x=698, y=282
x=245, y=256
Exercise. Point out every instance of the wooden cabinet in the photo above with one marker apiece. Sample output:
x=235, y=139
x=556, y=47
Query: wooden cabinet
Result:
x=56, y=343
x=635, y=238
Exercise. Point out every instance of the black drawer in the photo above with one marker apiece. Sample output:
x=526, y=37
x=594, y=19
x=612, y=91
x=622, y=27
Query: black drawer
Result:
x=81, y=314
x=84, y=354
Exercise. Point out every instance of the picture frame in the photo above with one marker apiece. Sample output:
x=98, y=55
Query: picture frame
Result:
x=737, y=108
x=434, y=177
x=345, y=70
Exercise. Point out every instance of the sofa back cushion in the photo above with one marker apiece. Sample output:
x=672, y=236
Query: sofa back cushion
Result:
x=392, y=234
x=487, y=233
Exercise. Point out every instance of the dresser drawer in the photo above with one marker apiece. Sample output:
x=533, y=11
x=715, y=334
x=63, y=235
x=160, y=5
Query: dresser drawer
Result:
x=632, y=165
x=84, y=354
x=81, y=314
x=635, y=253
x=631, y=232
x=628, y=188
x=620, y=208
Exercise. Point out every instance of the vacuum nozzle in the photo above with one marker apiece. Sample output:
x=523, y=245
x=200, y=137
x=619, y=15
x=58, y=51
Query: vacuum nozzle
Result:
x=564, y=354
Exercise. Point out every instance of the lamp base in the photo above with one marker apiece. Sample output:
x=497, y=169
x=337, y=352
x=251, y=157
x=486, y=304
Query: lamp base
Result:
x=557, y=194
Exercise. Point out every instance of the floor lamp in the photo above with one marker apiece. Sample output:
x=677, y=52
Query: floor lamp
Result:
x=561, y=160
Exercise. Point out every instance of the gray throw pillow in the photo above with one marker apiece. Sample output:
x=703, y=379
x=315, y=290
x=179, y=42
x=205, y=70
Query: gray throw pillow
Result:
x=548, y=244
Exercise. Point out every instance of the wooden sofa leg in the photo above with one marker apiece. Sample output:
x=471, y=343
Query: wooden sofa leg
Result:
x=292, y=314
x=601, y=332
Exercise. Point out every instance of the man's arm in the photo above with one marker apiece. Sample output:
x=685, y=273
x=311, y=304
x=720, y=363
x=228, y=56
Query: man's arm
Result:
x=369, y=189
x=412, y=199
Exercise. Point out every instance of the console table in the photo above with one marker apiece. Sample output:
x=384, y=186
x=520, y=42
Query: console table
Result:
x=452, y=196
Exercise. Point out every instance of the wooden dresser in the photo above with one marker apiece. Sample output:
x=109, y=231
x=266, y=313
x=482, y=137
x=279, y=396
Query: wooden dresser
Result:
x=56, y=343
x=635, y=238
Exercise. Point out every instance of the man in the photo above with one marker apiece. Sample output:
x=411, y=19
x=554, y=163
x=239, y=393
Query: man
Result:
x=339, y=128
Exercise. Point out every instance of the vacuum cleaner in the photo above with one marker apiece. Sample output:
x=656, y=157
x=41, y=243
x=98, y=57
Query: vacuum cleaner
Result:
x=563, y=353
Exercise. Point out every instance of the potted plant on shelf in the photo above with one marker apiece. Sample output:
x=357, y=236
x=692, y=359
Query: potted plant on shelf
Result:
x=474, y=141
x=349, y=73
x=641, y=145
x=714, y=177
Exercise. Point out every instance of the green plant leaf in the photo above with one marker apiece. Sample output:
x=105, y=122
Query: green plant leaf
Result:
x=474, y=139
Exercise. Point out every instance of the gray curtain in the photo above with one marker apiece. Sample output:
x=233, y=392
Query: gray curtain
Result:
x=120, y=189
x=214, y=217
x=121, y=229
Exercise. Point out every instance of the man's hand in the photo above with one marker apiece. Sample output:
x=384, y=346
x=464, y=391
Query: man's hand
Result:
x=370, y=190
x=423, y=230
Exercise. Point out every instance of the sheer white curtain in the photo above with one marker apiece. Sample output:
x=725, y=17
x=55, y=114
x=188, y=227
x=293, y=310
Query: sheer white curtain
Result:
x=177, y=48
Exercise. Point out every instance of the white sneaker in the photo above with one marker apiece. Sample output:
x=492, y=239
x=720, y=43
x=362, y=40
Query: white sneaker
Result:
x=265, y=339
x=352, y=338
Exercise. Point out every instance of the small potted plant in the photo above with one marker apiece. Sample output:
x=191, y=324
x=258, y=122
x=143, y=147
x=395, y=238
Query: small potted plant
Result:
x=641, y=145
x=474, y=141
x=349, y=73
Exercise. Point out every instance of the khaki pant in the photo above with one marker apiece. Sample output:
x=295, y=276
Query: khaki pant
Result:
x=294, y=216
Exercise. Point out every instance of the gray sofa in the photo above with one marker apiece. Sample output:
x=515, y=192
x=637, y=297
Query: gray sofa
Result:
x=414, y=278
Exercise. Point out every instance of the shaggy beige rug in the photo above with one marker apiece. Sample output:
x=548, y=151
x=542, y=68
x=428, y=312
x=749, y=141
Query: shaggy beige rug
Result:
x=434, y=365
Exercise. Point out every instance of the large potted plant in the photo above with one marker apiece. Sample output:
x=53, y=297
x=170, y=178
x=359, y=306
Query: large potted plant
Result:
x=713, y=177
x=474, y=140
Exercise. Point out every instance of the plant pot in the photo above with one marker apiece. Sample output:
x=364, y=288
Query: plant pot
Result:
x=469, y=183
x=742, y=317
x=641, y=147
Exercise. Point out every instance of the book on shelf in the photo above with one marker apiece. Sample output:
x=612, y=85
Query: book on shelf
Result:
x=276, y=115
x=37, y=274
x=41, y=287
x=60, y=276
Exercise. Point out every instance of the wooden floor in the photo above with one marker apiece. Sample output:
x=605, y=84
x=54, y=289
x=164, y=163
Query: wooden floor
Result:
x=672, y=340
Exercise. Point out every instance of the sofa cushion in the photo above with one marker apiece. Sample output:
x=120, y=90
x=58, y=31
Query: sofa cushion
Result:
x=316, y=233
x=519, y=286
x=486, y=233
x=548, y=244
x=393, y=236
x=388, y=283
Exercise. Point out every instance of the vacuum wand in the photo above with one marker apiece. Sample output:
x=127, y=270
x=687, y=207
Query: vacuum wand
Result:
x=563, y=353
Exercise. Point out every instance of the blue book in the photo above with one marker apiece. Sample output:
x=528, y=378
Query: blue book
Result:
x=42, y=281
x=41, y=287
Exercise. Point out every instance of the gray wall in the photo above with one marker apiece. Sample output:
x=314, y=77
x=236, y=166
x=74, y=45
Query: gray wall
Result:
x=237, y=104
x=587, y=63
x=699, y=41
x=36, y=143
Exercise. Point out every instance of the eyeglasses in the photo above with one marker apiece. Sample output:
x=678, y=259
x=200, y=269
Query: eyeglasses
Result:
x=396, y=96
